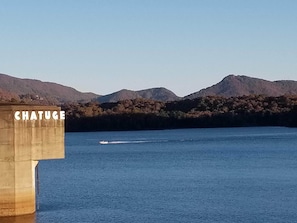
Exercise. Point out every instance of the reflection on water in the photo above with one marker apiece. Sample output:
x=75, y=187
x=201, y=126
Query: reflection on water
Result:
x=31, y=218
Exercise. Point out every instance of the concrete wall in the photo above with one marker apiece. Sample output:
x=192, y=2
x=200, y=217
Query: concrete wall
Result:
x=27, y=134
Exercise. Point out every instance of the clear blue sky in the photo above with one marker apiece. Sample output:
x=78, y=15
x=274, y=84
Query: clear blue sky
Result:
x=104, y=46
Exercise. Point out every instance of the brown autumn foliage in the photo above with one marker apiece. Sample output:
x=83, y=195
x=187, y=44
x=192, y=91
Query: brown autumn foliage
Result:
x=210, y=111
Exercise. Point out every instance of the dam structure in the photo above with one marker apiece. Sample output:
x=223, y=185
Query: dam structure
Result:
x=28, y=133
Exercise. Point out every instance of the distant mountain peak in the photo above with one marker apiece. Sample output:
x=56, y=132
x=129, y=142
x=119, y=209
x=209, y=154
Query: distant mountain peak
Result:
x=31, y=89
x=230, y=86
x=158, y=94
x=238, y=85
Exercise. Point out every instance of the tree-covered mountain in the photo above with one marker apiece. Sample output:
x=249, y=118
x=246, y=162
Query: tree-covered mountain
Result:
x=260, y=103
x=232, y=86
x=29, y=89
x=158, y=94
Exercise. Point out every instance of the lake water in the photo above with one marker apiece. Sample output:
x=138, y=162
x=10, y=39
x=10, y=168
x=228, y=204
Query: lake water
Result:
x=186, y=175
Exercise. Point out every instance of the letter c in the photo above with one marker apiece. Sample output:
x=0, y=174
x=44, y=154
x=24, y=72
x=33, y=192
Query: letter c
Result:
x=17, y=115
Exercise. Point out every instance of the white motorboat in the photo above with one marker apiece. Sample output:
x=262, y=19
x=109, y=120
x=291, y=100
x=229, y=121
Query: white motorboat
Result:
x=103, y=142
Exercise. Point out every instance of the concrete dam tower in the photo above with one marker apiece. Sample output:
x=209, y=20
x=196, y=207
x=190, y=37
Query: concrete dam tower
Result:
x=27, y=134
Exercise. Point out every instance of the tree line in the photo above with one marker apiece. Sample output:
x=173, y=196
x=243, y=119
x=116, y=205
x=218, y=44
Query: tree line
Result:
x=210, y=111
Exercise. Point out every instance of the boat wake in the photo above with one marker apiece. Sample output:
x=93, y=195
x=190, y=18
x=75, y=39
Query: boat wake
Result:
x=123, y=142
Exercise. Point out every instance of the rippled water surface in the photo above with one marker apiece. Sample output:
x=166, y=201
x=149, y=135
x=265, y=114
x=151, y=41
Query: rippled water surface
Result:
x=189, y=175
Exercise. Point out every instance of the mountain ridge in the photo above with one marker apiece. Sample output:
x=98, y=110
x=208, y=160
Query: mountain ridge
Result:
x=239, y=85
x=52, y=92
x=27, y=90
x=159, y=94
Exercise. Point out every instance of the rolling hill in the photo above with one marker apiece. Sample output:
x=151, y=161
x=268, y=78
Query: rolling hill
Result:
x=51, y=92
x=158, y=94
x=232, y=86
x=48, y=92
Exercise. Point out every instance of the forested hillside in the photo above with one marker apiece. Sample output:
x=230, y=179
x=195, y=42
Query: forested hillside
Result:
x=160, y=94
x=39, y=92
x=239, y=85
x=211, y=111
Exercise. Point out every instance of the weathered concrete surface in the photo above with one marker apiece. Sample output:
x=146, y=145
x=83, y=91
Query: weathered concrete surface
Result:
x=30, y=218
x=26, y=137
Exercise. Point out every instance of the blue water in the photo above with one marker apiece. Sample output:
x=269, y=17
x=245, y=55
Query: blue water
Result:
x=188, y=175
